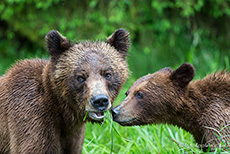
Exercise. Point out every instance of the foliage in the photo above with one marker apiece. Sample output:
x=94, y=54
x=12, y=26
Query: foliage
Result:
x=169, y=31
x=163, y=33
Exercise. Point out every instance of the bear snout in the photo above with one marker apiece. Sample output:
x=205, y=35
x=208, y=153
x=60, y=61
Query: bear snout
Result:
x=122, y=117
x=115, y=112
x=100, y=102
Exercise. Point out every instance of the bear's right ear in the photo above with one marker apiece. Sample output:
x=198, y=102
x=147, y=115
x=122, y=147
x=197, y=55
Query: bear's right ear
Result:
x=120, y=41
x=56, y=43
x=183, y=75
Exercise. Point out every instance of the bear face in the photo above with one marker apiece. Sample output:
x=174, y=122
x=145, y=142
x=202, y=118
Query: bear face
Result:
x=200, y=107
x=88, y=74
x=154, y=98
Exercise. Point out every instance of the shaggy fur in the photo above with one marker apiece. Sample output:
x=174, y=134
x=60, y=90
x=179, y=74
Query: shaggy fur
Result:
x=201, y=107
x=43, y=102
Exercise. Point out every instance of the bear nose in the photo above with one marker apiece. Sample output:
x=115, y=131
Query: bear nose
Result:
x=115, y=111
x=100, y=102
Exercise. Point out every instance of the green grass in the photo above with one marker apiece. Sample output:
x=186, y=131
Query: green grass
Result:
x=110, y=138
x=138, y=139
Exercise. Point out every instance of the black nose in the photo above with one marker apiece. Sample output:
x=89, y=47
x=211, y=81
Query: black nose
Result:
x=115, y=111
x=100, y=102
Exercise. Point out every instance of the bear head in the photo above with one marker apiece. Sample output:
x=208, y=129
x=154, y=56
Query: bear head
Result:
x=154, y=98
x=88, y=75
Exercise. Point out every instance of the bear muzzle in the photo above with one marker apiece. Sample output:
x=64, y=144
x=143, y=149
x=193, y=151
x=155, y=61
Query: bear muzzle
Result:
x=98, y=104
x=99, y=100
x=115, y=112
x=122, y=117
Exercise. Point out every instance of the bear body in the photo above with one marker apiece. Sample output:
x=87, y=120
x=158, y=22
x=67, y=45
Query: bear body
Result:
x=202, y=107
x=43, y=102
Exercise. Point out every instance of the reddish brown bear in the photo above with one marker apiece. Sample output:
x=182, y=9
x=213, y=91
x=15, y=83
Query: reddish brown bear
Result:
x=201, y=107
x=43, y=102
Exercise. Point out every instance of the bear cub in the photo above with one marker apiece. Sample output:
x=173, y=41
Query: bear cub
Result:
x=202, y=107
x=43, y=102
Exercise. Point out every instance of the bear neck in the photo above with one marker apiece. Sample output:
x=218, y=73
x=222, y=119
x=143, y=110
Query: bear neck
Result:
x=188, y=111
x=210, y=98
x=69, y=121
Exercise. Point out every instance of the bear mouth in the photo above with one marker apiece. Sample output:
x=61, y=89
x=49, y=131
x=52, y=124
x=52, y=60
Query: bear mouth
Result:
x=99, y=116
x=128, y=122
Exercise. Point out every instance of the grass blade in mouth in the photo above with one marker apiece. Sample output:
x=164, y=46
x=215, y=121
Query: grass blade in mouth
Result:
x=109, y=120
x=112, y=127
x=85, y=116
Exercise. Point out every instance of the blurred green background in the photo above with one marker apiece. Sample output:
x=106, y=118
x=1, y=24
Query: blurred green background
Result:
x=163, y=33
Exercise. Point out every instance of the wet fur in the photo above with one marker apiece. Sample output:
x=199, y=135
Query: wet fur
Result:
x=169, y=97
x=42, y=105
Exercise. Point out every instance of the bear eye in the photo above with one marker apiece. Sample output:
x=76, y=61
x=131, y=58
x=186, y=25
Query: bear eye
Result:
x=81, y=78
x=108, y=76
x=139, y=95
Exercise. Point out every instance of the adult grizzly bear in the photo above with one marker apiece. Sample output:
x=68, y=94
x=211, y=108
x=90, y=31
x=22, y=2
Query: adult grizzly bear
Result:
x=43, y=102
x=201, y=107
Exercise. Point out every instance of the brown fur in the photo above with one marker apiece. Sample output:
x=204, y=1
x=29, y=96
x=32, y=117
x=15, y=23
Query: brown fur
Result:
x=43, y=102
x=201, y=107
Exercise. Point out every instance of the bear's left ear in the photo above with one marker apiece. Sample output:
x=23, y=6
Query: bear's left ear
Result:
x=120, y=41
x=183, y=75
x=56, y=43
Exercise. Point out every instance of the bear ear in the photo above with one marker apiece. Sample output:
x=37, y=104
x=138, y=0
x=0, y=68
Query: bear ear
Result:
x=56, y=43
x=120, y=40
x=183, y=75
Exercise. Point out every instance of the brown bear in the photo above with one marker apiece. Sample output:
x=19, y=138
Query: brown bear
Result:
x=43, y=103
x=202, y=107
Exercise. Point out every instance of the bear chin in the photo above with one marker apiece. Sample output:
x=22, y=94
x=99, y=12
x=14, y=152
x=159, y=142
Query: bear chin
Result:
x=129, y=122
